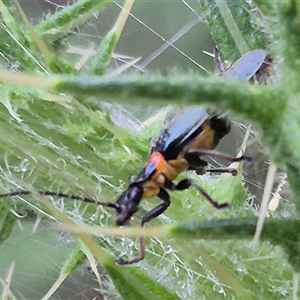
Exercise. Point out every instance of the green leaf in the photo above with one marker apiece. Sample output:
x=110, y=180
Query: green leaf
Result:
x=7, y=219
x=52, y=141
x=234, y=27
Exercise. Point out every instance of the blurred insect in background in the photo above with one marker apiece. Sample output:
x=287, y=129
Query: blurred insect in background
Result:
x=254, y=66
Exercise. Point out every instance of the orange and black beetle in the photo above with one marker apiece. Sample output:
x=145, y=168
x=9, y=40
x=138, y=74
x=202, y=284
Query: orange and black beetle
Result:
x=179, y=147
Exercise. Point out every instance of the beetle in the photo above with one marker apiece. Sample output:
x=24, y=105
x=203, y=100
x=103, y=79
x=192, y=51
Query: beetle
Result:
x=179, y=147
x=253, y=66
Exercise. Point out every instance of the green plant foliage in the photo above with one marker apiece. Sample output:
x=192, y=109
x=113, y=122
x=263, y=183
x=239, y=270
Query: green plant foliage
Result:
x=56, y=135
x=234, y=27
x=60, y=23
x=7, y=220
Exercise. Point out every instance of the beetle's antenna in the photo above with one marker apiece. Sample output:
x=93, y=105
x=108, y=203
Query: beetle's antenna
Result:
x=60, y=195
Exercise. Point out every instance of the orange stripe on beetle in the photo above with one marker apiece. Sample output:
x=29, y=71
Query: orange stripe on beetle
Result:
x=158, y=160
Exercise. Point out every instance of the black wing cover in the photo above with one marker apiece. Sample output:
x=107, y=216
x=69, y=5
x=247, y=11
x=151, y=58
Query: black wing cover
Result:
x=180, y=132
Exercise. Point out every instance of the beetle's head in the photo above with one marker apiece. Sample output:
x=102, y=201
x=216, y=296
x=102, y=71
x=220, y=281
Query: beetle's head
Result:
x=127, y=204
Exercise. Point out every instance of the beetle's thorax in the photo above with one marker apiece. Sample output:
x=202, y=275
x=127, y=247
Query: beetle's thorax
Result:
x=164, y=170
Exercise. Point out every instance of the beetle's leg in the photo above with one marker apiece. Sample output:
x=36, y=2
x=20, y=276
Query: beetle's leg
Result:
x=142, y=252
x=232, y=171
x=158, y=210
x=197, y=164
x=186, y=183
x=192, y=154
x=216, y=154
x=217, y=60
x=153, y=213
